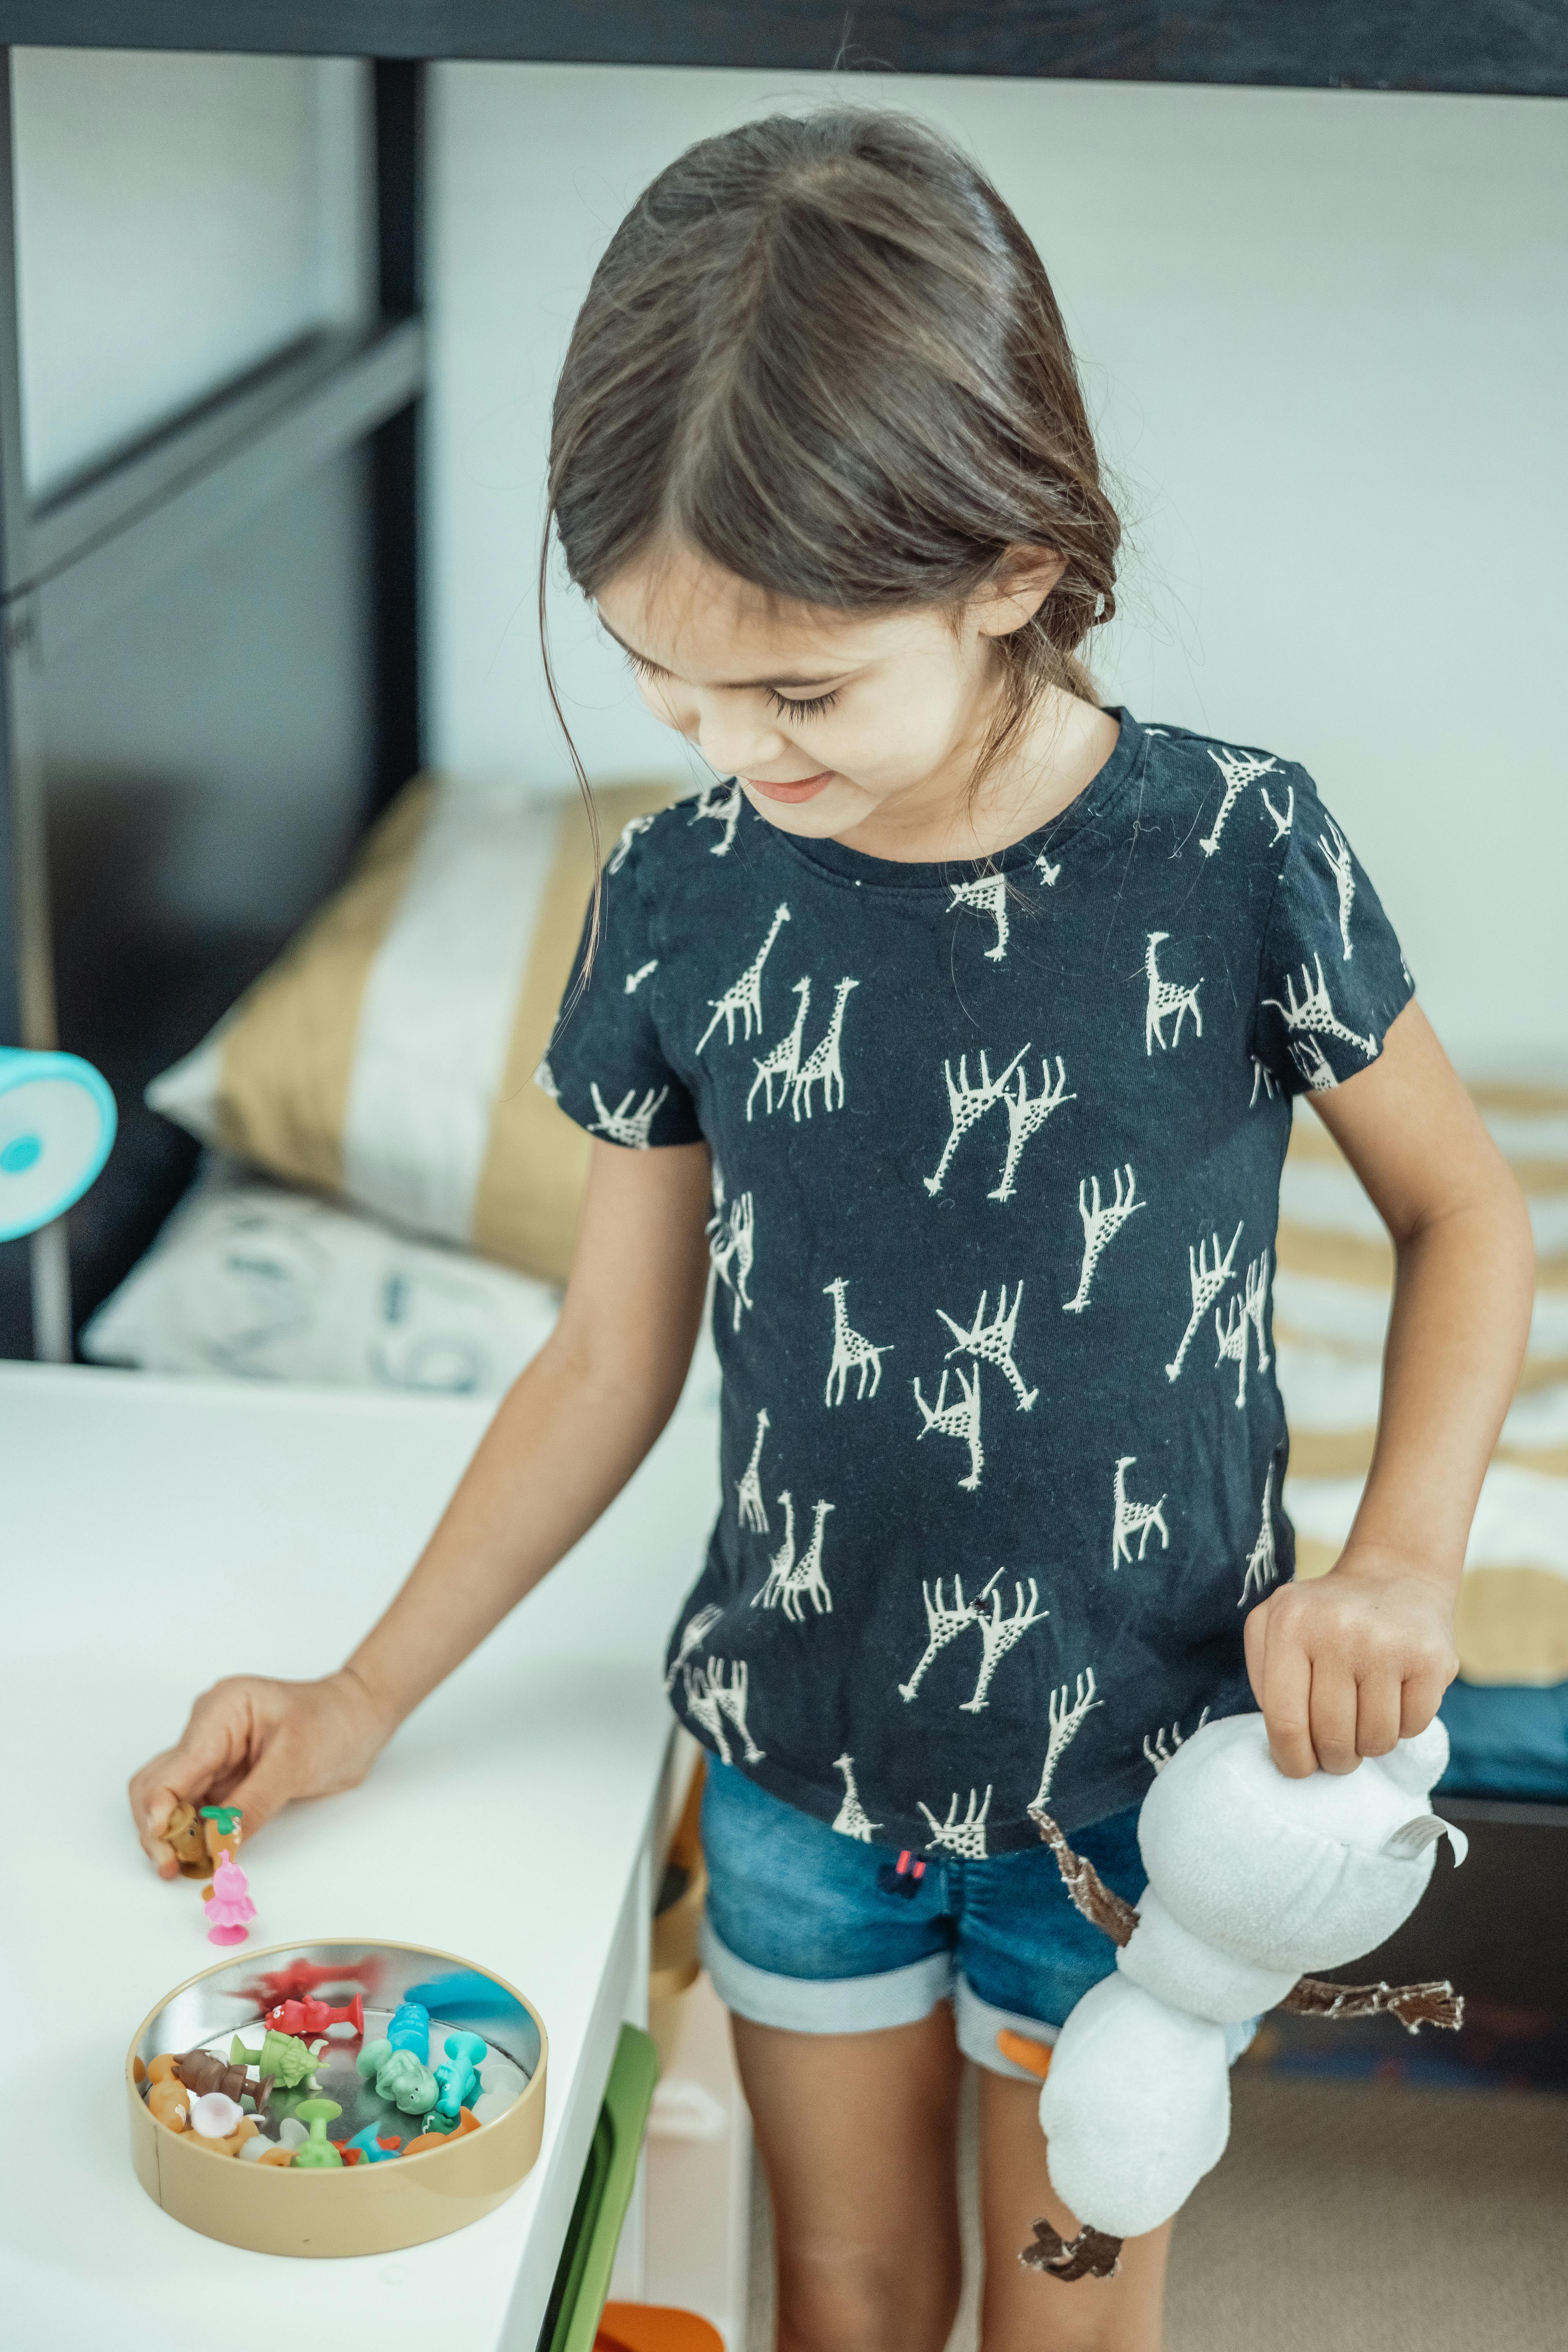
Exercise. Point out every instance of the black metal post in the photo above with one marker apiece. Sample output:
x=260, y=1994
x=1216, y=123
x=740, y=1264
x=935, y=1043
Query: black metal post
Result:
x=394, y=449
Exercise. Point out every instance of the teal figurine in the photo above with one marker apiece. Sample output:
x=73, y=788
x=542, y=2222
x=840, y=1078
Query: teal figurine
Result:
x=459, y=2078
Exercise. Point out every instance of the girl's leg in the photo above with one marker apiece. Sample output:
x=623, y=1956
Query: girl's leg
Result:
x=1024, y=2310
x=857, y=2133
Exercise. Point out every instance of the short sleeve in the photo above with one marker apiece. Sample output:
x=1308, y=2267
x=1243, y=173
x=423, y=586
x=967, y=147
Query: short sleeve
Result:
x=1332, y=979
x=605, y=1065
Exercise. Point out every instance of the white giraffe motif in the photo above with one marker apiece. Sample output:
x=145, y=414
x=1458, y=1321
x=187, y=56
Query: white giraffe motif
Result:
x=731, y=1246
x=1264, y=1077
x=852, y=1820
x=959, y=1419
x=851, y=1353
x=822, y=1064
x=945, y=1623
x=1231, y=1332
x=1207, y=1274
x=693, y=1634
x=1314, y=1066
x=1161, y=1747
x=622, y=849
x=1049, y=874
x=782, y=1061
x=992, y=1343
x=966, y=1105
x=1282, y=824
x=743, y=998
x=1026, y=1114
x=1313, y=1013
x=1131, y=1518
x=1263, y=1560
x=723, y=803
x=1165, y=998
x=988, y=896
x=1065, y=1715
x=965, y=1837
x=624, y=1125
x=1341, y=865
x=644, y=972
x=1255, y=1303
x=750, y=1509
x=712, y=1700
x=998, y=1634
x=544, y=1079
x=1239, y=769
x=789, y=1581
x=1103, y=1221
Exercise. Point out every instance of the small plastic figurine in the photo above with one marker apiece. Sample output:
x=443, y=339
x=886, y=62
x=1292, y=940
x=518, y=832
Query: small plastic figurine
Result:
x=213, y=2117
x=281, y=2058
x=399, y=2077
x=377, y=2145
x=300, y=1976
x=201, y=2071
x=446, y=2128
x=197, y=1838
x=410, y=2030
x=170, y=2102
x=229, y=1906
x=312, y=2016
x=318, y=2149
x=459, y=2078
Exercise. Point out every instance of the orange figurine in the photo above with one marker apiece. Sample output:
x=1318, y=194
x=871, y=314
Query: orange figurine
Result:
x=170, y=2102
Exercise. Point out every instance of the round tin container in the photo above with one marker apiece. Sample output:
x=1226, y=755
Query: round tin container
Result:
x=361, y=2209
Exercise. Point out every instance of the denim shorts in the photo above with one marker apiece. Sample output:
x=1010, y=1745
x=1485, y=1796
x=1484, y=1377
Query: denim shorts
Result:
x=818, y=1933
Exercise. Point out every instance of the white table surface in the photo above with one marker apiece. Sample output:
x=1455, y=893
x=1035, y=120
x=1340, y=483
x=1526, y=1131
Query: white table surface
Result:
x=156, y=1534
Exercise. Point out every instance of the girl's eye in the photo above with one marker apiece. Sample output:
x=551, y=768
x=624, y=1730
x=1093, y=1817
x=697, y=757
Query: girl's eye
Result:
x=812, y=707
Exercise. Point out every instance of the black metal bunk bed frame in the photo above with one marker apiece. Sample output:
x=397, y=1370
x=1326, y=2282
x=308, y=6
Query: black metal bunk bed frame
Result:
x=64, y=561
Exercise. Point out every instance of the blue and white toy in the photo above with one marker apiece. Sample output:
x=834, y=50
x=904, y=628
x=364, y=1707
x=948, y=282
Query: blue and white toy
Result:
x=56, y=1124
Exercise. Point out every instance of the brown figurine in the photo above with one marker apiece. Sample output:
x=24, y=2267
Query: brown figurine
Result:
x=200, y=2071
x=199, y=1837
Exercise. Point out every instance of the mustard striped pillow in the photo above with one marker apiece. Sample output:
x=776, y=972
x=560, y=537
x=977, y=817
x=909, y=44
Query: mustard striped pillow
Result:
x=387, y=1056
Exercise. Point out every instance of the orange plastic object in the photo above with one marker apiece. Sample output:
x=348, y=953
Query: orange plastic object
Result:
x=138, y=2072
x=466, y=2122
x=654, y=2328
x=351, y=2155
x=162, y=2069
x=277, y=2156
x=246, y=2128
x=170, y=2102
x=1035, y=2057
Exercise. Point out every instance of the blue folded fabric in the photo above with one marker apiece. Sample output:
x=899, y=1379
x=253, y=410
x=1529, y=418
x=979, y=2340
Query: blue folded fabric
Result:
x=1505, y=1739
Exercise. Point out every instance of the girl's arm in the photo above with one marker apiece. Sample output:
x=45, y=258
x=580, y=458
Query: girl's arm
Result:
x=568, y=1436
x=1345, y=1665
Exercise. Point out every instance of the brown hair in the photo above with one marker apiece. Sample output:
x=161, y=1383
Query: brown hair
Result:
x=821, y=351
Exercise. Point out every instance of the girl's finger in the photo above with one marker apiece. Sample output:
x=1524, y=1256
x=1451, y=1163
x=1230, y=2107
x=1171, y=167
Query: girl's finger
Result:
x=266, y=1790
x=1334, y=1717
x=1254, y=1641
x=183, y=1775
x=1286, y=1702
x=1419, y=1699
x=1377, y=1714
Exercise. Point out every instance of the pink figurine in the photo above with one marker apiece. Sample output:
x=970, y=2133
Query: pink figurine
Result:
x=229, y=1905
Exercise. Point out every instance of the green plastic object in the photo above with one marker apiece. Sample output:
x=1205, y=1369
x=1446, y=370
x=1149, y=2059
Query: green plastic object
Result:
x=228, y=1818
x=288, y=2061
x=438, y=2121
x=318, y=2149
x=401, y=2077
x=582, y=2280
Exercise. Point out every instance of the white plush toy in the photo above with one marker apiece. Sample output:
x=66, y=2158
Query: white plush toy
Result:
x=1253, y=1879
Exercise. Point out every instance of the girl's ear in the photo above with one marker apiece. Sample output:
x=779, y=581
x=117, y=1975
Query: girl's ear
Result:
x=1023, y=580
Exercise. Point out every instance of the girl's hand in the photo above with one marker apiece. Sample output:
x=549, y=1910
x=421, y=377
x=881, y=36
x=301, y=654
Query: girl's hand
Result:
x=259, y=1744
x=1350, y=1663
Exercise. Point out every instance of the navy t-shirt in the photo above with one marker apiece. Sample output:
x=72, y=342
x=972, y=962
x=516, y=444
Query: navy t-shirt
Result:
x=996, y=1153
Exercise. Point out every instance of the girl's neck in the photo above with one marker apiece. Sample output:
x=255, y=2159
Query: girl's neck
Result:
x=1061, y=749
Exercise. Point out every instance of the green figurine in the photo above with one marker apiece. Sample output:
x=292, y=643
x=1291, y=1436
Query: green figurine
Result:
x=288, y=2061
x=318, y=2149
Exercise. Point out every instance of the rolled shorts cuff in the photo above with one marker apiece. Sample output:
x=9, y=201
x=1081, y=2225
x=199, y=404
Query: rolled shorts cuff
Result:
x=980, y=2021
x=826, y=2004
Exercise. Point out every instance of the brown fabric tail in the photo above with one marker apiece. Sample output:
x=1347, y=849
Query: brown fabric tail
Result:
x=1091, y=2254
x=1089, y=1891
x=1415, y=2005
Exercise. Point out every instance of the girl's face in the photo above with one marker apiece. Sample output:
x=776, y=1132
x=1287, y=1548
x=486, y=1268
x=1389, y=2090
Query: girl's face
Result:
x=865, y=729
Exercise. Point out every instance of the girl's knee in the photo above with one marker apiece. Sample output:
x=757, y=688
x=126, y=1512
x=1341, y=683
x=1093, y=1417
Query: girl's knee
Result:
x=835, y=2305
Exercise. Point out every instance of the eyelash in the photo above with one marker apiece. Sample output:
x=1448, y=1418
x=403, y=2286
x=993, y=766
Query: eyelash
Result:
x=812, y=708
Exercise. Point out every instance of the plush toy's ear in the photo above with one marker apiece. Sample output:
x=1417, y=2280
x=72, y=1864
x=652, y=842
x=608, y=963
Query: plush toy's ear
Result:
x=1410, y=1840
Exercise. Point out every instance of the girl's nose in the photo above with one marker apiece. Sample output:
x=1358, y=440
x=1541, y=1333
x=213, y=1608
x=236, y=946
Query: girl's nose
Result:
x=733, y=739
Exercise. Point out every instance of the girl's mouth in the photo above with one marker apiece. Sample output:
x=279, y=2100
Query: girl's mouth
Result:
x=804, y=789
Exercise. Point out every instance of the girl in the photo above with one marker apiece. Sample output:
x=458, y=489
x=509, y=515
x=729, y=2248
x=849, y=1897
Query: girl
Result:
x=966, y=1018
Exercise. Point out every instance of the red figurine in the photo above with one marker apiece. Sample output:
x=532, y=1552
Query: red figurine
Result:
x=312, y=2016
x=300, y=1976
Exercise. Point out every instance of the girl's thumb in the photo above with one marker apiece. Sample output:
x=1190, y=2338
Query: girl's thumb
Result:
x=265, y=1790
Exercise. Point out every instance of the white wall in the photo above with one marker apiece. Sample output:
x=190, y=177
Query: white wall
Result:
x=1324, y=337
x=178, y=218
